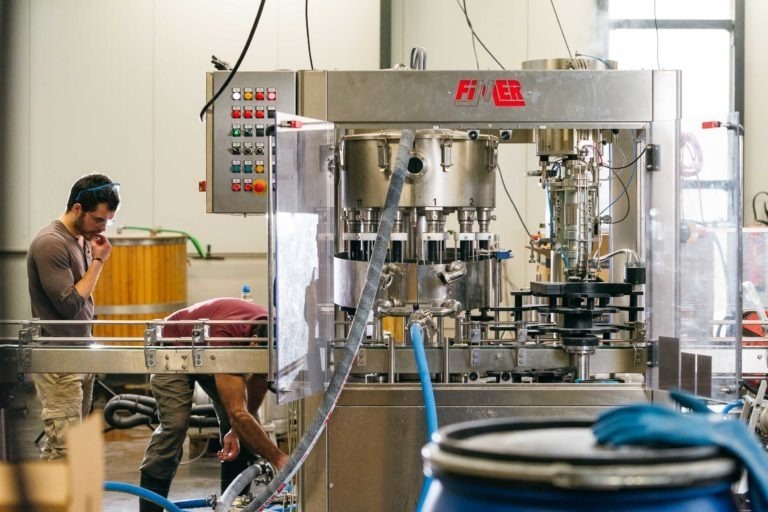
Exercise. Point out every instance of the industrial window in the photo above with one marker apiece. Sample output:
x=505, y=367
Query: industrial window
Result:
x=704, y=39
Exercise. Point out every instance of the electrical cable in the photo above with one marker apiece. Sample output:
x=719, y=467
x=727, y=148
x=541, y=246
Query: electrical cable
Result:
x=513, y=202
x=474, y=43
x=633, y=162
x=350, y=349
x=309, y=45
x=474, y=34
x=626, y=192
x=237, y=64
x=570, y=55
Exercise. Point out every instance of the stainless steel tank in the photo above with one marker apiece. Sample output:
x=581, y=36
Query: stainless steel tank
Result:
x=446, y=168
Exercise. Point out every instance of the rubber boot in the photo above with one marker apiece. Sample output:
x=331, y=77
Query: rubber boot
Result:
x=230, y=470
x=157, y=485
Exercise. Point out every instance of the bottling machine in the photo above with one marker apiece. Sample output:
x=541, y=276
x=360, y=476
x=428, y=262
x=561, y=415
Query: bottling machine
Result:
x=598, y=332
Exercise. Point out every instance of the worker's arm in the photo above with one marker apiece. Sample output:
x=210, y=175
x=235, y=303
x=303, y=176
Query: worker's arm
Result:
x=256, y=385
x=232, y=391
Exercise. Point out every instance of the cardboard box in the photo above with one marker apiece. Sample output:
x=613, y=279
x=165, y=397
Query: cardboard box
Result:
x=74, y=485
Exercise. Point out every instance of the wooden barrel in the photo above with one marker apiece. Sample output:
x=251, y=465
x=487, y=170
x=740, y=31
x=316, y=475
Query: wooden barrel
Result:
x=144, y=278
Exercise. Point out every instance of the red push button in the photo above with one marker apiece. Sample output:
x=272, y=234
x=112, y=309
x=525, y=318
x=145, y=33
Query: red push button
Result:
x=260, y=186
x=236, y=113
x=260, y=95
x=248, y=187
x=235, y=187
x=260, y=114
x=248, y=114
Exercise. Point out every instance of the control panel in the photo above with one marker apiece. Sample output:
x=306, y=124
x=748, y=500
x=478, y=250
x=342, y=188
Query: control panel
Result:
x=237, y=178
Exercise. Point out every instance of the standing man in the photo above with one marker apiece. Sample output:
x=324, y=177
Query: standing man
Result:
x=63, y=266
x=233, y=396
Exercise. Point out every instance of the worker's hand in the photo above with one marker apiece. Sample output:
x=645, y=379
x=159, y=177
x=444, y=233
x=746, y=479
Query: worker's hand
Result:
x=100, y=247
x=230, y=447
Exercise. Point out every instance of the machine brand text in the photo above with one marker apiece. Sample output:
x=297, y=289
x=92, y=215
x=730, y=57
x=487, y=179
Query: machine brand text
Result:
x=504, y=93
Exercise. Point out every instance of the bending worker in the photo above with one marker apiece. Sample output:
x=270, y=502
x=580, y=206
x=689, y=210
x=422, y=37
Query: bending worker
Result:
x=233, y=397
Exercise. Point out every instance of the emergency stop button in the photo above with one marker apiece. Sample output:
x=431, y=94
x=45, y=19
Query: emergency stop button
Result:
x=260, y=186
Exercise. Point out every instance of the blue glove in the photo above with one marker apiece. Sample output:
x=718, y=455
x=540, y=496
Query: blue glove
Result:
x=656, y=425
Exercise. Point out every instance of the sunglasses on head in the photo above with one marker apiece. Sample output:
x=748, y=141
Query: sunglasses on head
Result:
x=100, y=192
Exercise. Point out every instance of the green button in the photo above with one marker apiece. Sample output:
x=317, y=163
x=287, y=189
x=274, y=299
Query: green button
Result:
x=248, y=168
x=235, y=132
x=236, y=168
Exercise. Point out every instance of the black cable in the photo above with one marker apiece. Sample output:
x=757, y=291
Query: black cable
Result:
x=656, y=25
x=237, y=64
x=474, y=45
x=633, y=162
x=561, y=29
x=513, y=202
x=474, y=34
x=309, y=45
x=626, y=193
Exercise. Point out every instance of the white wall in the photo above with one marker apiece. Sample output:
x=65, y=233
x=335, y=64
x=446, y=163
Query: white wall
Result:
x=116, y=86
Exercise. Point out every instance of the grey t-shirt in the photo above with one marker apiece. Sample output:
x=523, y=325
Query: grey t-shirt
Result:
x=55, y=262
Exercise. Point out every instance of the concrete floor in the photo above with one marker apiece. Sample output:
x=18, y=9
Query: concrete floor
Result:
x=124, y=450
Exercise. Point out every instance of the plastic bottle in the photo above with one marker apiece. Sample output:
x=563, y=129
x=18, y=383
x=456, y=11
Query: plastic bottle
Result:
x=245, y=293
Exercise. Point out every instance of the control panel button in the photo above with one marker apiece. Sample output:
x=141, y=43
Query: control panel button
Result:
x=259, y=148
x=248, y=130
x=248, y=113
x=236, y=185
x=235, y=130
x=248, y=94
x=260, y=186
x=271, y=112
x=259, y=166
x=235, y=165
x=271, y=94
x=236, y=148
x=259, y=130
x=248, y=166
x=236, y=113
x=236, y=93
x=259, y=112
x=247, y=185
x=259, y=94
x=248, y=148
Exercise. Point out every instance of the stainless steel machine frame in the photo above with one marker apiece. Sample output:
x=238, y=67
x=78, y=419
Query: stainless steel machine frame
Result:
x=376, y=430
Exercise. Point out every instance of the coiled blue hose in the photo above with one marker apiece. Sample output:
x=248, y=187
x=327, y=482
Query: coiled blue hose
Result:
x=430, y=409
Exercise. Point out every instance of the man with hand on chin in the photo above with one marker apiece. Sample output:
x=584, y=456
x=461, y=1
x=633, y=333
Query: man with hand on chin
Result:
x=63, y=265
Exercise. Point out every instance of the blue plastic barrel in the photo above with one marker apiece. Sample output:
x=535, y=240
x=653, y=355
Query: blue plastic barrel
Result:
x=525, y=466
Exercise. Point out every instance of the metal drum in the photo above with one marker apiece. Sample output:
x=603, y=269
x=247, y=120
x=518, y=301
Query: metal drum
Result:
x=144, y=278
x=446, y=168
x=495, y=465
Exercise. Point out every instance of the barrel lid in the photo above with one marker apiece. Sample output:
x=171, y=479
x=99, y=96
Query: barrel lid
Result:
x=565, y=454
x=118, y=239
x=420, y=134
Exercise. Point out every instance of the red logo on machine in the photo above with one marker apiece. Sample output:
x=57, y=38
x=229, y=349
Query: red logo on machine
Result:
x=505, y=93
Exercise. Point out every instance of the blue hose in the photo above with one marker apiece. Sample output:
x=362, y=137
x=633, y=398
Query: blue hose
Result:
x=194, y=503
x=430, y=408
x=732, y=405
x=142, y=493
